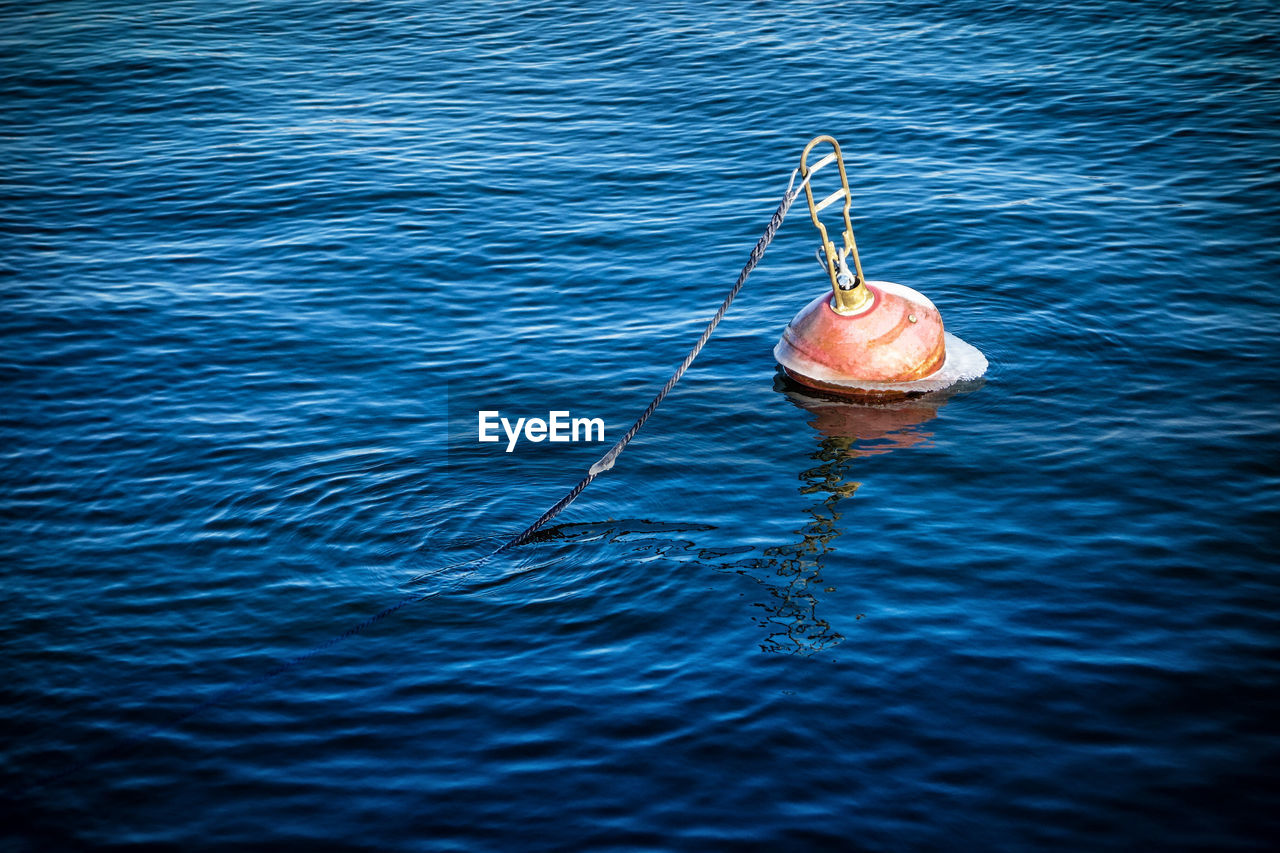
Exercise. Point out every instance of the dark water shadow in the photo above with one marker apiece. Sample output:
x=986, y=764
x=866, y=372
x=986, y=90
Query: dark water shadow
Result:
x=791, y=574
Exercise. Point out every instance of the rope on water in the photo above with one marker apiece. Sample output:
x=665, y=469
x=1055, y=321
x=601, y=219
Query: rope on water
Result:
x=603, y=464
x=606, y=462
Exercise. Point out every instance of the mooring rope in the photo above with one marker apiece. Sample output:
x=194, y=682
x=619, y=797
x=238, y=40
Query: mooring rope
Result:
x=606, y=462
x=603, y=464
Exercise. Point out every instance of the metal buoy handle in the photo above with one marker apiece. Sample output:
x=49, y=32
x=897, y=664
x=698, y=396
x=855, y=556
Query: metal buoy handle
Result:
x=849, y=287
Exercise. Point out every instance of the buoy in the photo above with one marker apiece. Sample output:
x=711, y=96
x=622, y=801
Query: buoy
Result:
x=867, y=338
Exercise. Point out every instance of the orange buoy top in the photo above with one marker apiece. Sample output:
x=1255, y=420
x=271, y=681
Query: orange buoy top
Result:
x=896, y=336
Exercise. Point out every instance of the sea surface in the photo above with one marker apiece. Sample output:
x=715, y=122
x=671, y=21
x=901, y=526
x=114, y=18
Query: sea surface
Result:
x=263, y=263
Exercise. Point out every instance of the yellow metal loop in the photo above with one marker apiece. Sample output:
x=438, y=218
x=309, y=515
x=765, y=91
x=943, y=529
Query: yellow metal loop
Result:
x=849, y=297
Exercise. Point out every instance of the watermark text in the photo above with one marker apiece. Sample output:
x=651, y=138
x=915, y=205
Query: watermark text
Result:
x=559, y=426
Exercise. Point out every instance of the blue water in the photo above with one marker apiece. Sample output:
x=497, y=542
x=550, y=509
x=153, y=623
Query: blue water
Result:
x=262, y=263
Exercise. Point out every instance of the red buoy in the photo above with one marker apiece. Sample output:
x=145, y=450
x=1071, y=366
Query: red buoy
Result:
x=867, y=337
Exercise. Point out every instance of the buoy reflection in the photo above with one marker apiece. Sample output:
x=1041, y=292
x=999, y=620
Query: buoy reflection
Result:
x=846, y=432
x=865, y=427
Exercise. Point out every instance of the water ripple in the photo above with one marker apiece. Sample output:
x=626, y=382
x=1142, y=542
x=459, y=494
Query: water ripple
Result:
x=262, y=262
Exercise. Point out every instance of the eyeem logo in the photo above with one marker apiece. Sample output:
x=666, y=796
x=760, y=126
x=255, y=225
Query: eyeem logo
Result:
x=559, y=426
